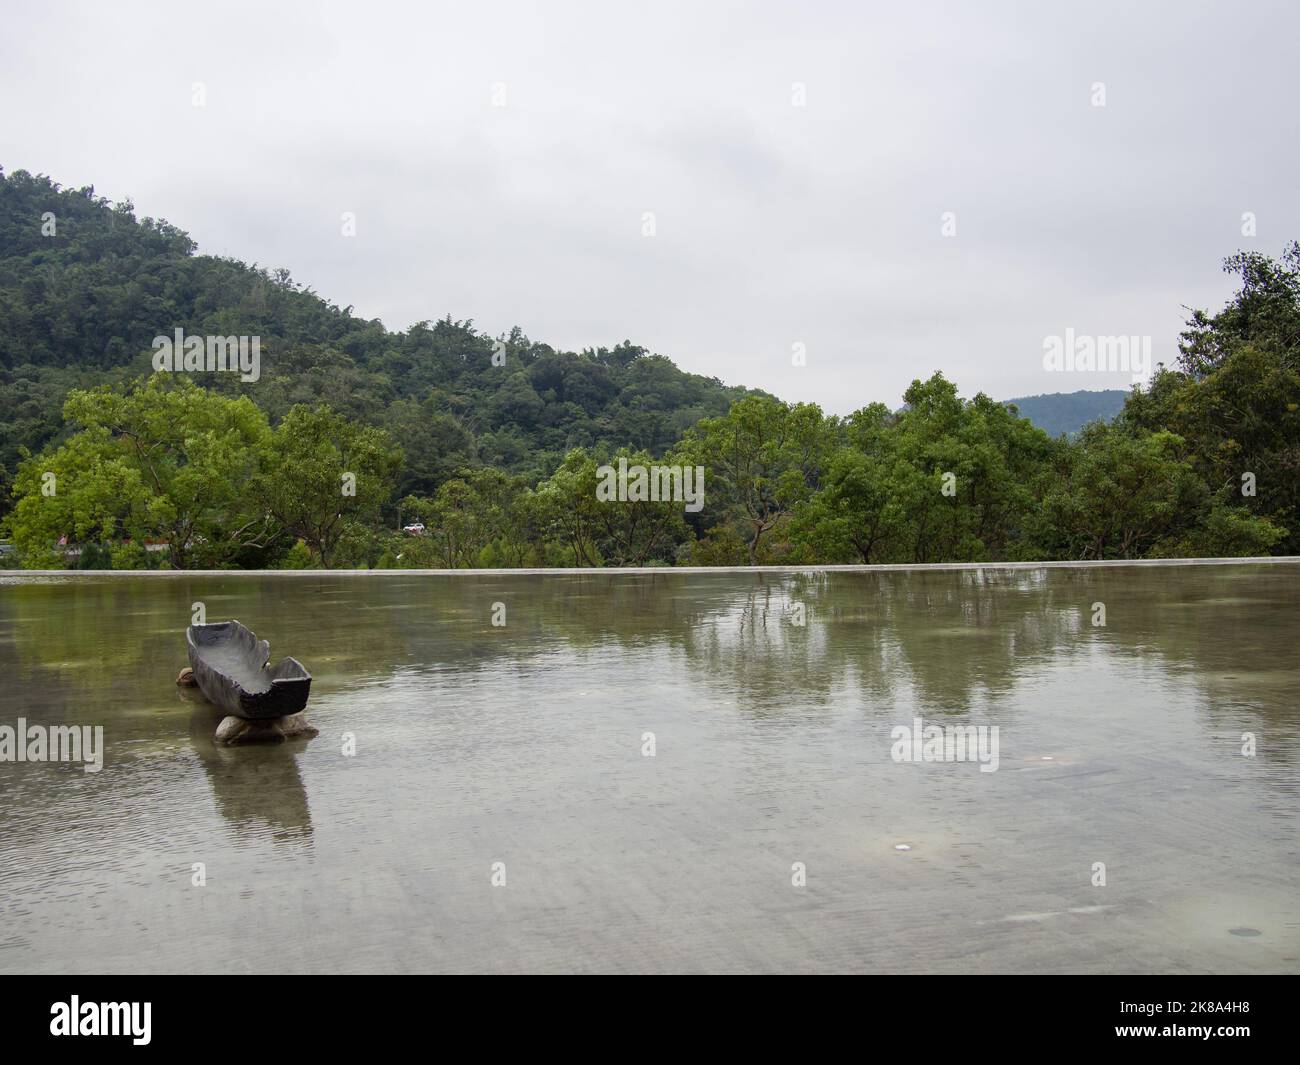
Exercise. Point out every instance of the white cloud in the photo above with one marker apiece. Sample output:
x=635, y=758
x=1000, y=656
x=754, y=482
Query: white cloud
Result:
x=776, y=224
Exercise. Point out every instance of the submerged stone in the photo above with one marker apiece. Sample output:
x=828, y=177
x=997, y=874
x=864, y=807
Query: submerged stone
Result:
x=236, y=730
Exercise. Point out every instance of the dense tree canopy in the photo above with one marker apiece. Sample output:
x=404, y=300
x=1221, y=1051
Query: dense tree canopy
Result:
x=154, y=462
x=502, y=446
x=81, y=306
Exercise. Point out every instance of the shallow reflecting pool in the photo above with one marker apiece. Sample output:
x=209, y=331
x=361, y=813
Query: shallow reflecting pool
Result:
x=669, y=772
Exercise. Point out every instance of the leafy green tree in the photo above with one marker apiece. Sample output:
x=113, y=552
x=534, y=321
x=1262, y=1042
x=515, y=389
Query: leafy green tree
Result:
x=1134, y=495
x=481, y=518
x=588, y=526
x=1235, y=400
x=761, y=460
x=297, y=557
x=857, y=516
x=435, y=444
x=158, y=460
x=640, y=531
x=569, y=509
x=84, y=491
x=1264, y=314
x=322, y=473
x=1124, y=494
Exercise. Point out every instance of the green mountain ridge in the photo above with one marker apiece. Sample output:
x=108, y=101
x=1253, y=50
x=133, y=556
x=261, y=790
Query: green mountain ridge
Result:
x=85, y=286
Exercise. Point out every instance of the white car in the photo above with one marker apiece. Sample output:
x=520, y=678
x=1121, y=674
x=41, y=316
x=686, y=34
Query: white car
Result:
x=415, y=529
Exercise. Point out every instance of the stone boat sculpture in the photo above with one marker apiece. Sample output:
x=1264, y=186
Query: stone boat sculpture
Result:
x=230, y=666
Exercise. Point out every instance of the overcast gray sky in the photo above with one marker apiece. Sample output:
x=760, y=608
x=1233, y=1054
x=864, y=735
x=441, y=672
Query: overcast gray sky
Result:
x=775, y=224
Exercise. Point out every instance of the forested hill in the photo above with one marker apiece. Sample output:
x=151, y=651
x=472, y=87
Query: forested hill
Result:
x=495, y=447
x=1068, y=412
x=82, y=304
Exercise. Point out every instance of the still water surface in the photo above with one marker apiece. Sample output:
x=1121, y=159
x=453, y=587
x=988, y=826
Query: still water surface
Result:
x=523, y=745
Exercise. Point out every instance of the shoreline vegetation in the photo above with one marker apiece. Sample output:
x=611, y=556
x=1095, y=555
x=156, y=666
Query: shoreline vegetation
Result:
x=440, y=448
x=650, y=571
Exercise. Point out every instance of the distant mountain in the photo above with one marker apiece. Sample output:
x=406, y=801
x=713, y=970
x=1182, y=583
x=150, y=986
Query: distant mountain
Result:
x=1068, y=412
